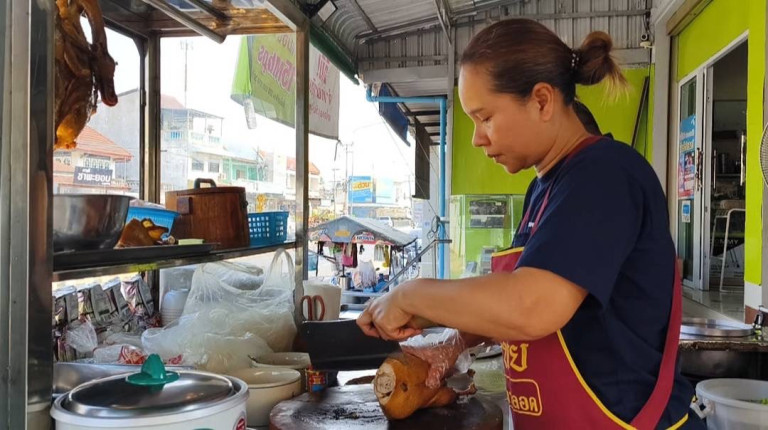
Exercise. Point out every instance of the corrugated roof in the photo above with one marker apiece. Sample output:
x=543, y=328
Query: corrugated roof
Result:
x=92, y=142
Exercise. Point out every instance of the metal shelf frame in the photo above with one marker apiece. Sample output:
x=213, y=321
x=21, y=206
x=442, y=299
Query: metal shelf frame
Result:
x=149, y=265
x=26, y=175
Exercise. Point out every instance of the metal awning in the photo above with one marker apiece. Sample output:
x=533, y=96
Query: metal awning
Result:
x=413, y=45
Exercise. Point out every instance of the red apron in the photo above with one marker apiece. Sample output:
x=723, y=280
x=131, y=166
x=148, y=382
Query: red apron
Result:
x=545, y=389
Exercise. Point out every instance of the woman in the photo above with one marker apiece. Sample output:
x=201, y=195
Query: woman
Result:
x=589, y=312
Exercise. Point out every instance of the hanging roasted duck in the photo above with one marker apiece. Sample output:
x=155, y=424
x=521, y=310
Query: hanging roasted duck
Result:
x=83, y=70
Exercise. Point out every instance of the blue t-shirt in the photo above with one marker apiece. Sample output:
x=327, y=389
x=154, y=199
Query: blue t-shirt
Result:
x=606, y=229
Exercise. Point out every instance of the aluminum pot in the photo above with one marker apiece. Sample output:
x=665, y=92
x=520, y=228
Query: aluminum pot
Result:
x=155, y=399
x=88, y=221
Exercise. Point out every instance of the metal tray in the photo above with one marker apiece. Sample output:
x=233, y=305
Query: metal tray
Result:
x=137, y=255
x=716, y=328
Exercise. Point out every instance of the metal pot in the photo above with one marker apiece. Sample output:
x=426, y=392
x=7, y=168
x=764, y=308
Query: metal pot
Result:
x=88, y=221
x=706, y=364
x=699, y=364
x=154, y=399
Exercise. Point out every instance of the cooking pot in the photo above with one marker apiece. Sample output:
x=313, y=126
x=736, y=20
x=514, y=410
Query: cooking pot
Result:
x=700, y=364
x=154, y=399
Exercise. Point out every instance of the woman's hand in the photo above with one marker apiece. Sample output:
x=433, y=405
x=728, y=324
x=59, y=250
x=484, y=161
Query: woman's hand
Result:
x=441, y=357
x=385, y=317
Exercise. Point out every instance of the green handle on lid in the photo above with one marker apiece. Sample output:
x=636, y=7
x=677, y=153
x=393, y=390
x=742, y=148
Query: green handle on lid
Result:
x=153, y=373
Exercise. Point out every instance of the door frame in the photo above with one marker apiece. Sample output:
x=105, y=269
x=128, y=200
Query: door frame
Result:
x=703, y=75
x=697, y=209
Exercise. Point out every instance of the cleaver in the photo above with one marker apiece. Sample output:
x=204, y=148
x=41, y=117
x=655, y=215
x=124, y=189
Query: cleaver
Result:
x=341, y=345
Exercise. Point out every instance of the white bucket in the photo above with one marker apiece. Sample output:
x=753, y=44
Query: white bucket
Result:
x=730, y=403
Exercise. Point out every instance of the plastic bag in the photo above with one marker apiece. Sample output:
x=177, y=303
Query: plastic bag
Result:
x=443, y=349
x=183, y=343
x=82, y=337
x=266, y=312
x=366, y=273
x=119, y=354
x=242, y=276
x=222, y=324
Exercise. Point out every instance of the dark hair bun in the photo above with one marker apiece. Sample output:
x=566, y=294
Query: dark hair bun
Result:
x=595, y=63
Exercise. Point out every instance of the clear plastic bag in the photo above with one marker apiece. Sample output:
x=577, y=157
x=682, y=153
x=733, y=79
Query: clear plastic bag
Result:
x=266, y=312
x=82, y=337
x=179, y=343
x=444, y=350
x=222, y=324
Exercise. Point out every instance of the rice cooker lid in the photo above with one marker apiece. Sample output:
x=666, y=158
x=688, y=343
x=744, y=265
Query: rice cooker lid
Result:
x=145, y=394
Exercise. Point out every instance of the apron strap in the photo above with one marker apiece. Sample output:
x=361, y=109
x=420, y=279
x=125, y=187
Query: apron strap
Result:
x=650, y=414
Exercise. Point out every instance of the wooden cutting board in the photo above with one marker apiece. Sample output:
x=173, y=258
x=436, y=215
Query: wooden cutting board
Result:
x=355, y=407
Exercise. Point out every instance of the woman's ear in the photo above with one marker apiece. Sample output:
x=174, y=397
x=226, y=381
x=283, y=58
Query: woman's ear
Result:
x=543, y=97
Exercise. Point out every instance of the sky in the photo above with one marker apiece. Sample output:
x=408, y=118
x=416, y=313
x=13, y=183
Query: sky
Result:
x=375, y=150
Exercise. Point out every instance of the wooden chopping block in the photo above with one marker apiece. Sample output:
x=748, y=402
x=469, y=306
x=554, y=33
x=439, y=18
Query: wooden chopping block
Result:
x=354, y=407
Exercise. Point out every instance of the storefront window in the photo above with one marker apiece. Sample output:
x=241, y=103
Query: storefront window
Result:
x=227, y=114
x=108, y=147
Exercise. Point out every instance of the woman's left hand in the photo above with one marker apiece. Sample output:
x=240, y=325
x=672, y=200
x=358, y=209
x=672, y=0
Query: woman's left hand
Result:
x=384, y=317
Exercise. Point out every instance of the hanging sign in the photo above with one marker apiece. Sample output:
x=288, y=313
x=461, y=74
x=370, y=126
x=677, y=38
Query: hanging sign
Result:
x=265, y=83
x=360, y=189
x=93, y=176
x=686, y=168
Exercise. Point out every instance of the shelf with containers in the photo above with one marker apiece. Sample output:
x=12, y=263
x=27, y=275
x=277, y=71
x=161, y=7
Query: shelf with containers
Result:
x=28, y=267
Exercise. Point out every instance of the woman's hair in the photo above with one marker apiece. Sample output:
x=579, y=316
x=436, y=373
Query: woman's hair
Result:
x=520, y=53
x=587, y=119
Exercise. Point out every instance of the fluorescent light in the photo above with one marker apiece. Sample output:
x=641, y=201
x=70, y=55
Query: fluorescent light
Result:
x=326, y=11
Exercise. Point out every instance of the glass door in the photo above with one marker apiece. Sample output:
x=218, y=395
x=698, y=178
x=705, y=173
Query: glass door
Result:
x=689, y=180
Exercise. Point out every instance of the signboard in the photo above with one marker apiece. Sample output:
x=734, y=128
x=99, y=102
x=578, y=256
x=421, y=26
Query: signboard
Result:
x=360, y=189
x=686, y=168
x=365, y=238
x=685, y=211
x=91, y=176
x=265, y=83
x=385, y=191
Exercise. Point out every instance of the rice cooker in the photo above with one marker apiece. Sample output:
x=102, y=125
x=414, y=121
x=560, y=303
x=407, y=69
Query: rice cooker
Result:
x=155, y=399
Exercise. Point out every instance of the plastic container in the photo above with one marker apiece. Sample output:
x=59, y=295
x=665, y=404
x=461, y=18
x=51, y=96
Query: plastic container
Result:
x=173, y=305
x=161, y=217
x=734, y=403
x=267, y=228
x=267, y=387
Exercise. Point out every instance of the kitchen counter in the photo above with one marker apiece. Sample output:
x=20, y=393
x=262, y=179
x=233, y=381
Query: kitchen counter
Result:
x=755, y=343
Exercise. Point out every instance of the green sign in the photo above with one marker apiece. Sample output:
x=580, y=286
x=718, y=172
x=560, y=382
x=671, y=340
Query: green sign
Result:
x=265, y=83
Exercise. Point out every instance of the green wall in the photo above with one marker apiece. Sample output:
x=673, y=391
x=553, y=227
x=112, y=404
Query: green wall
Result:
x=719, y=24
x=474, y=173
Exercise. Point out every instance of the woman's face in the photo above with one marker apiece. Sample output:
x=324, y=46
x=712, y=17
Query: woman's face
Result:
x=511, y=131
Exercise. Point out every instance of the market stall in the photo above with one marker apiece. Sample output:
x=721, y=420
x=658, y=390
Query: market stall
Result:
x=57, y=239
x=342, y=242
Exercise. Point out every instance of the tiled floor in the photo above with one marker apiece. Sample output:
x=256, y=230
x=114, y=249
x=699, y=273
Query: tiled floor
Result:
x=730, y=304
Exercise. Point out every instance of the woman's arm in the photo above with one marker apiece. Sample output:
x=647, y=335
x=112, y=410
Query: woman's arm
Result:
x=526, y=304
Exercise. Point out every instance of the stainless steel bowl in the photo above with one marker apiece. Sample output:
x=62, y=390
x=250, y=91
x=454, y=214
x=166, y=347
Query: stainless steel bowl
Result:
x=88, y=221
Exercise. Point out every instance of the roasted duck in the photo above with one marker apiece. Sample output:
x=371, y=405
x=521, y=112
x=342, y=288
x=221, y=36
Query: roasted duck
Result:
x=400, y=386
x=83, y=70
x=141, y=233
